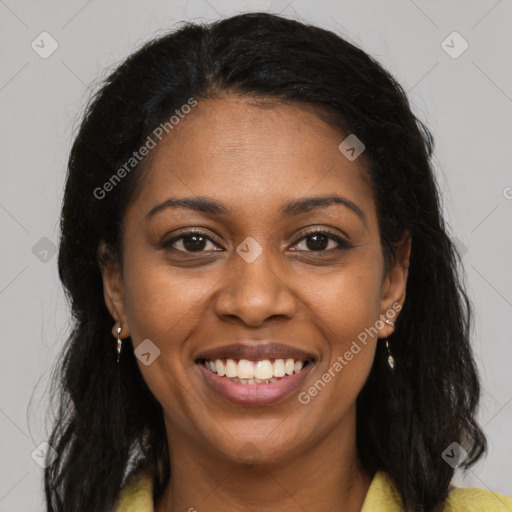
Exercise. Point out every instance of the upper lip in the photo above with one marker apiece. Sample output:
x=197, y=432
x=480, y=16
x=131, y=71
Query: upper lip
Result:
x=255, y=352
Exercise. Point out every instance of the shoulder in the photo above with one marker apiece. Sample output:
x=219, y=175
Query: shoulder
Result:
x=137, y=494
x=383, y=495
x=473, y=499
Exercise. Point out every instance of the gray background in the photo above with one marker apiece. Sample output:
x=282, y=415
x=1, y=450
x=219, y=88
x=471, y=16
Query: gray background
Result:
x=465, y=101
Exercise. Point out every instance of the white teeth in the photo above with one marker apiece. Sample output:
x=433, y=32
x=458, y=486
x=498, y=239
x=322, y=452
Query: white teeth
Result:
x=263, y=369
x=297, y=367
x=279, y=368
x=231, y=368
x=255, y=372
x=221, y=370
x=246, y=369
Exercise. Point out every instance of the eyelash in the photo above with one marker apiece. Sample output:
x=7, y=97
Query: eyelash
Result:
x=343, y=244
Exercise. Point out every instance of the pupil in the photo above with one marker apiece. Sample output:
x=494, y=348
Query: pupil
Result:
x=194, y=242
x=319, y=242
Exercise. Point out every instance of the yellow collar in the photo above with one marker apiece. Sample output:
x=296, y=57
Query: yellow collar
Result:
x=138, y=495
x=382, y=496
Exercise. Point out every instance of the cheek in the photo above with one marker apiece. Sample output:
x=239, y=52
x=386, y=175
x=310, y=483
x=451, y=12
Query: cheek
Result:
x=161, y=303
x=165, y=304
x=345, y=307
x=346, y=302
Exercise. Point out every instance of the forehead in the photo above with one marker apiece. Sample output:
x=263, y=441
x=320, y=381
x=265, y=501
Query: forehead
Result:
x=252, y=157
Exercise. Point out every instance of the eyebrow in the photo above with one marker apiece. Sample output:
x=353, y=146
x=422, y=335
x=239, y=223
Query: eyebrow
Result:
x=289, y=209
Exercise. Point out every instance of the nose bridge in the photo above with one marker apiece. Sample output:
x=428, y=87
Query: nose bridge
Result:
x=255, y=289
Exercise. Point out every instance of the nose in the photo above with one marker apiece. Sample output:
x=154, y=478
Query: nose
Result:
x=254, y=292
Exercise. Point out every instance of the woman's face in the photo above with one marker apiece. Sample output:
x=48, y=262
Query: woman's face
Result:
x=275, y=271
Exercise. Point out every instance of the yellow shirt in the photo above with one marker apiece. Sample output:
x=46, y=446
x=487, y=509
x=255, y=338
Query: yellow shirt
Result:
x=137, y=496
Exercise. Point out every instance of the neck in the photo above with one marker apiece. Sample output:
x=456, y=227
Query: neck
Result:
x=323, y=476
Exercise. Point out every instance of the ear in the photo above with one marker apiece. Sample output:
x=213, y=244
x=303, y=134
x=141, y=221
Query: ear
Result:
x=394, y=286
x=113, y=288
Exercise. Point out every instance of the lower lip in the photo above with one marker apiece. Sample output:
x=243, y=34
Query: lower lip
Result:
x=255, y=394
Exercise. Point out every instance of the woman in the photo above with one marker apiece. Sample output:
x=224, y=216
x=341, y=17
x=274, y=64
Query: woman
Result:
x=268, y=309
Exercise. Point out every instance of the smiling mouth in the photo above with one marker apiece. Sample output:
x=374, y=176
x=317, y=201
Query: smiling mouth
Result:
x=265, y=371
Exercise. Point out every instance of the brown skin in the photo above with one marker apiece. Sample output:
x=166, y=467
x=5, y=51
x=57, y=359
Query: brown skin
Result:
x=253, y=160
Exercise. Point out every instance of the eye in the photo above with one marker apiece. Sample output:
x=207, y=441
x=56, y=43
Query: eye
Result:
x=315, y=241
x=318, y=241
x=191, y=241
